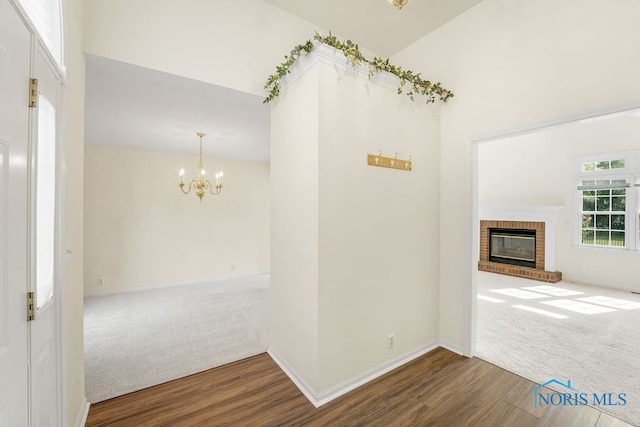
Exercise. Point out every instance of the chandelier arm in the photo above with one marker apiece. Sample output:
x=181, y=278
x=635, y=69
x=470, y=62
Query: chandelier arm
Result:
x=182, y=184
x=193, y=184
x=215, y=189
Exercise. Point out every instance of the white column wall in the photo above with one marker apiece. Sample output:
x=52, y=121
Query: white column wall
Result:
x=294, y=229
x=354, y=253
x=378, y=227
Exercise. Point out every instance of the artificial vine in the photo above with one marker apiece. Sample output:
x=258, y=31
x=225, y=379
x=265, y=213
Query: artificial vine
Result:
x=417, y=86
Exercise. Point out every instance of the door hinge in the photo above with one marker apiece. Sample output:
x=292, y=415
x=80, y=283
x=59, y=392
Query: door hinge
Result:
x=33, y=93
x=31, y=306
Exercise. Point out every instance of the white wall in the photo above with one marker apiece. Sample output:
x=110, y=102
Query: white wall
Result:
x=378, y=228
x=140, y=230
x=354, y=248
x=537, y=169
x=511, y=64
x=231, y=43
x=293, y=306
x=72, y=213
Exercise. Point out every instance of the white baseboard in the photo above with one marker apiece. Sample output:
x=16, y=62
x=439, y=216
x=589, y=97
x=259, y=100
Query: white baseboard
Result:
x=297, y=380
x=319, y=399
x=83, y=413
x=451, y=347
x=216, y=280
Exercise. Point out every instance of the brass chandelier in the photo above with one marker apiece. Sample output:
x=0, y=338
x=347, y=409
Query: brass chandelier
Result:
x=200, y=184
x=398, y=3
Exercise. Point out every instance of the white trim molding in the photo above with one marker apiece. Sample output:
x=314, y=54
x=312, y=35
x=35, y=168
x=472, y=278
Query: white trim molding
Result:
x=319, y=399
x=452, y=348
x=302, y=385
x=83, y=413
x=549, y=123
x=328, y=55
x=546, y=214
x=214, y=281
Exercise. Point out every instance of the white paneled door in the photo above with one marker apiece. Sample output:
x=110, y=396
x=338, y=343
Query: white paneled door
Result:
x=15, y=62
x=30, y=391
x=43, y=339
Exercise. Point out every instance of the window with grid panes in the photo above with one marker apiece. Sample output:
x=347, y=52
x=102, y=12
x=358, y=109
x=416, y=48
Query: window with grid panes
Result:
x=608, y=205
x=604, y=211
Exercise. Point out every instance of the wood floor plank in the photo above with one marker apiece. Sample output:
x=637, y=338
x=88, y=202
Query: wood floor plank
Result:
x=447, y=384
x=382, y=392
x=570, y=416
x=506, y=414
x=521, y=396
x=472, y=401
x=439, y=388
x=606, y=420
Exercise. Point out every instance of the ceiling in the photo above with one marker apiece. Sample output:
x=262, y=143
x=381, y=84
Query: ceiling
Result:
x=375, y=24
x=132, y=106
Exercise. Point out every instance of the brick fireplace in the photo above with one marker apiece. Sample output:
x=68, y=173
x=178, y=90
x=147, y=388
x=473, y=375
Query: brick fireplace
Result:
x=536, y=273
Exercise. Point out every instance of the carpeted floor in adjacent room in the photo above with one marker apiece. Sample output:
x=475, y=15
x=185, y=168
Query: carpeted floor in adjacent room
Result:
x=564, y=331
x=139, y=339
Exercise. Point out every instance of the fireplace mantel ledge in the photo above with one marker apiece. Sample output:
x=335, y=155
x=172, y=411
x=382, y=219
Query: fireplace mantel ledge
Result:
x=517, y=212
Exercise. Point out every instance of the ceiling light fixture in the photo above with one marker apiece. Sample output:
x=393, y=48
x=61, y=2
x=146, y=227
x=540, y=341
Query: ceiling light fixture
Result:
x=398, y=3
x=200, y=184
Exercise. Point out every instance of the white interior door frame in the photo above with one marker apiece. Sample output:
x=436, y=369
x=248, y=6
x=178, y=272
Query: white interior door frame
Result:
x=471, y=321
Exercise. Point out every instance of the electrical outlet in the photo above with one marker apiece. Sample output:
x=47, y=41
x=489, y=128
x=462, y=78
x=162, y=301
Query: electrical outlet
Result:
x=390, y=342
x=100, y=281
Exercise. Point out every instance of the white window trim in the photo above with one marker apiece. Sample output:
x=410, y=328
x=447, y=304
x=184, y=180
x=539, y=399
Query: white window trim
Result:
x=631, y=173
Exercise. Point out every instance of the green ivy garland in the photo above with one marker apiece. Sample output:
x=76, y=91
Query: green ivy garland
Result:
x=351, y=51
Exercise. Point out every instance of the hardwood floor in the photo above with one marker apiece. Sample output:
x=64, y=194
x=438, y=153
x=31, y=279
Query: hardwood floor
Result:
x=439, y=388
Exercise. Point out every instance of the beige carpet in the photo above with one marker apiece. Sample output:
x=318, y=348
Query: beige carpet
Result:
x=139, y=339
x=596, y=344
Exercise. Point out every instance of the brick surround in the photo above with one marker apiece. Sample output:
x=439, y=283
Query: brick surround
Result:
x=537, y=273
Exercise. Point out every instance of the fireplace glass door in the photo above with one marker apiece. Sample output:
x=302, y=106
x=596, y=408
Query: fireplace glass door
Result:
x=516, y=247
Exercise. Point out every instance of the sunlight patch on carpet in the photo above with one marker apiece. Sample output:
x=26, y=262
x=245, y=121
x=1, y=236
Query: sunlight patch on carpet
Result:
x=539, y=311
x=519, y=293
x=553, y=290
x=621, y=304
x=579, y=307
x=490, y=299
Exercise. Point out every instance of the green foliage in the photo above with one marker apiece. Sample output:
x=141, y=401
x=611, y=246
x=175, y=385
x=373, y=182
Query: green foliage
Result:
x=410, y=83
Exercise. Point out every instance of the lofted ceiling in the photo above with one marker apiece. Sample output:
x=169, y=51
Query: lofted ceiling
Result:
x=132, y=106
x=375, y=24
